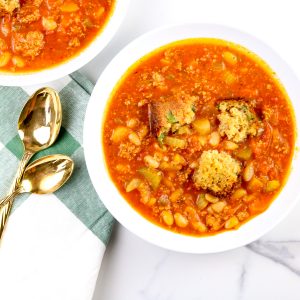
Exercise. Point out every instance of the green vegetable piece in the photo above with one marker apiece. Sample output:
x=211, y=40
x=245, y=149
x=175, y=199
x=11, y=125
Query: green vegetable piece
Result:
x=244, y=154
x=171, y=118
x=244, y=108
x=153, y=176
x=161, y=138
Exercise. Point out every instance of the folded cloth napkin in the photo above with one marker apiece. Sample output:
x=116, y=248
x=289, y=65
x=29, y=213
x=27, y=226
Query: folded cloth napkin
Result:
x=53, y=244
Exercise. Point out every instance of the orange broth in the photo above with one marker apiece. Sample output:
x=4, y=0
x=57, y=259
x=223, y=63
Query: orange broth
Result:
x=200, y=68
x=58, y=30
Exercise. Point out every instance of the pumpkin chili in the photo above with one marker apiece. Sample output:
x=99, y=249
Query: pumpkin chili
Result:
x=199, y=136
x=38, y=34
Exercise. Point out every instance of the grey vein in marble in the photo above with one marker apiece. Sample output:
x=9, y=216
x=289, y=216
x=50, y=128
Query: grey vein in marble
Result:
x=156, y=270
x=279, y=253
x=242, y=280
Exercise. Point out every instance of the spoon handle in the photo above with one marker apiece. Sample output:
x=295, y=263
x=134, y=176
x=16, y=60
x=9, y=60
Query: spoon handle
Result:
x=5, y=208
x=9, y=198
x=4, y=213
x=7, y=203
x=22, y=165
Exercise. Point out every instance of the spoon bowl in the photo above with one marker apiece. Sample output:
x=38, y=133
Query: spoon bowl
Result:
x=47, y=174
x=40, y=120
x=44, y=176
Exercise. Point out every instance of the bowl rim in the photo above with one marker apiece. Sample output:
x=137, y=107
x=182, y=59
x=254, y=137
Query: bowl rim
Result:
x=93, y=148
x=72, y=64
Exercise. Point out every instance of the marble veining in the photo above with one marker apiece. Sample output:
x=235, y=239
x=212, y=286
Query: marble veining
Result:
x=279, y=252
x=144, y=291
x=265, y=269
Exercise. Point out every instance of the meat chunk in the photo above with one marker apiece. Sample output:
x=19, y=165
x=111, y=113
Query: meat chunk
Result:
x=28, y=13
x=8, y=6
x=217, y=172
x=172, y=113
x=30, y=44
x=237, y=120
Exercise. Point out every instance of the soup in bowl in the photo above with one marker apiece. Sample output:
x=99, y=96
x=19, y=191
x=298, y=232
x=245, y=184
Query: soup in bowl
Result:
x=197, y=139
x=42, y=40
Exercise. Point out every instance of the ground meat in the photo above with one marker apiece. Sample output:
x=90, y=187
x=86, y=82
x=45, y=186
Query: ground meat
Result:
x=30, y=44
x=158, y=80
x=237, y=120
x=8, y=6
x=28, y=13
x=3, y=45
x=128, y=150
x=173, y=113
x=75, y=42
x=74, y=27
x=217, y=172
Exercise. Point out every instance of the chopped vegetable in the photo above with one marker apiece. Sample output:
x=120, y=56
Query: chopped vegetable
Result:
x=161, y=138
x=179, y=159
x=272, y=186
x=4, y=58
x=218, y=206
x=202, y=126
x=228, y=145
x=69, y=7
x=230, y=58
x=133, y=184
x=229, y=78
x=175, y=142
x=18, y=61
x=180, y=220
x=49, y=24
x=210, y=198
x=145, y=192
x=201, y=202
x=184, y=130
x=244, y=154
x=153, y=176
x=176, y=195
x=232, y=222
x=151, y=162
x=255, y=185
x=239, y=193
x=170, y=117
x=214, y=139
x=167, y=217
x=120, y=133
x=134, y=138
x=170, y=166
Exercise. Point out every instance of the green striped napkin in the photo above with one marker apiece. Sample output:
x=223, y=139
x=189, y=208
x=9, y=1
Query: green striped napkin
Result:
x=78, y=195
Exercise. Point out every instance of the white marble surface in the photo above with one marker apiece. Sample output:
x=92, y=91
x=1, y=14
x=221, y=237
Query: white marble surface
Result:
x=266, y=269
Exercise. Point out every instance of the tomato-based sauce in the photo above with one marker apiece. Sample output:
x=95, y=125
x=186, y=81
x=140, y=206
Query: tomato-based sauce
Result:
x=43, y=33
x=199, y=136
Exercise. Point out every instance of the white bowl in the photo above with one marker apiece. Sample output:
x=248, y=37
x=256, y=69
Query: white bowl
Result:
x=78, y=61
x=106, y=189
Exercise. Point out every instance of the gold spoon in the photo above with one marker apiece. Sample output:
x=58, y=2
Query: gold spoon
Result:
x=44, y=176
x=38, y=128
x=39, y=124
